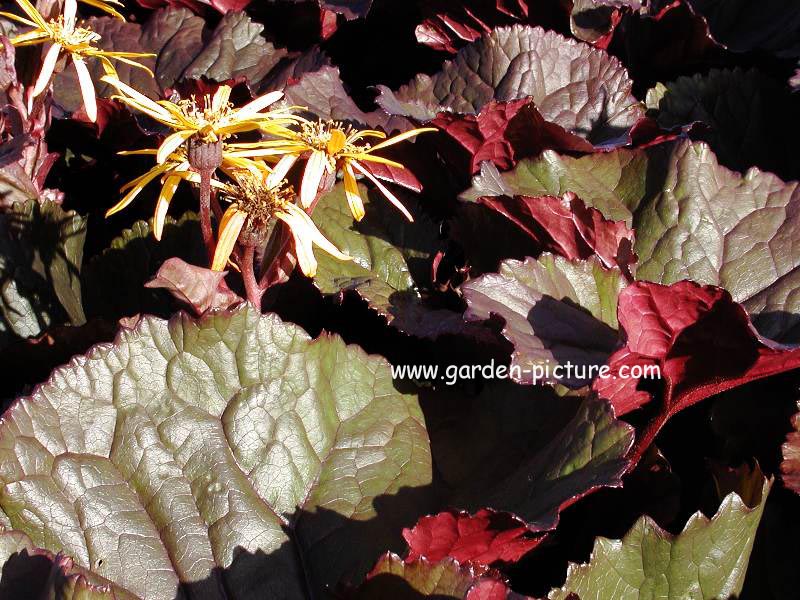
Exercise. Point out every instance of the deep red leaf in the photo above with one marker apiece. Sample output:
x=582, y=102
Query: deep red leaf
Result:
x=566, y=226
x=482, y=539
x=503, y=133
x=703, y=342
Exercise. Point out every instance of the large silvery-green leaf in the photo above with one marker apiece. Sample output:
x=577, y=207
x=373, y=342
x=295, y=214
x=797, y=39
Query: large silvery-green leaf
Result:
x=231, y=453
x=573, y=85
x=555, y=311
x=706, y=561
x=41, y=252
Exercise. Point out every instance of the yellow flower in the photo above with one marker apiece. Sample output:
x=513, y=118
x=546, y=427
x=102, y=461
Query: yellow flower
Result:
x=172, y=171
x=208, y=119
x=256, y=201
x=66, y=36
x=333, y=145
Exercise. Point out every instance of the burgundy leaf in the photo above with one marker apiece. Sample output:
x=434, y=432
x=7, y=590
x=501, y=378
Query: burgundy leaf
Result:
x=503, y=133
x=482, y=539
x=202, y=289
x=566, y=226
x=703, y=342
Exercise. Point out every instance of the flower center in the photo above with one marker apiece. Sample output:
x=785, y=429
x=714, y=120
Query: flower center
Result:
x=260, y=202
x=74, y=39
x=206, y=115
x=327, y=136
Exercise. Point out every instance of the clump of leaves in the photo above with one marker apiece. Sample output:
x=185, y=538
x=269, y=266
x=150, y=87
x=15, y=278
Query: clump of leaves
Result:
x=572, y=233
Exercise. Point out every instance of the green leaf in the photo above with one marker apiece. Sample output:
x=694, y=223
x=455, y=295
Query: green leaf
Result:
x=707, y=560
x=612, y=182
x=393, y=578
x=580, y=88
x=114, y=280
x=41, y=251
x=556, y=311
x=231, y=451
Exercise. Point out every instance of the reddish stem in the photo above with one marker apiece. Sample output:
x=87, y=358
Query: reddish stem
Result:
x=205, y=211
x=253, y=290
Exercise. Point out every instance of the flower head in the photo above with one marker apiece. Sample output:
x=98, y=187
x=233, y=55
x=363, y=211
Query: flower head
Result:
x=208, y=119
x=334, y=145
x=171, y=172
x=256, y=202
x=67, y=37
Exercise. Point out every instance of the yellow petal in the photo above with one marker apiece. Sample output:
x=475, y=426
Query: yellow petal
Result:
x=351, y=191
x=30, y=10
x=87, y=88
x=141, y=182
x=256, y=105
x=19, y=19
x=221, y=98
x=48, y=66
x=280, y=170
x=172, y=143
x=309, y=231
x=337, y=142
x=384, y=190
x=312, y=177
x=105, y=8
x=303, y=249
x=162, y=205
x=402, y=137
x=229, y=228
x=144, y=103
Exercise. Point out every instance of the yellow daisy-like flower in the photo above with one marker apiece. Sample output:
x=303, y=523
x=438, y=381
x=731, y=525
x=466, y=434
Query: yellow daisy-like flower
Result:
x=172, y=171
x=66, y=37
x=335, y=145
x=256, y=201
x=208, y=119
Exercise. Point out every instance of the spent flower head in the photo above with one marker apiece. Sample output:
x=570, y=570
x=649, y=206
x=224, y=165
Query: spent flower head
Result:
x=335, y=145
x=67, y=37
x=257, y=201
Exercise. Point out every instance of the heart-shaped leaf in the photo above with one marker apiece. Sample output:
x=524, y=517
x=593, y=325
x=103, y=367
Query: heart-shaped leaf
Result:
x=231, y=453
